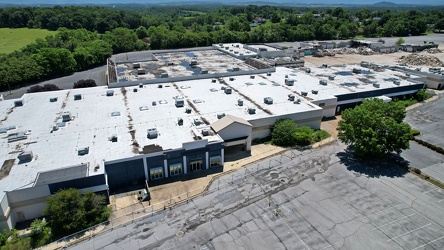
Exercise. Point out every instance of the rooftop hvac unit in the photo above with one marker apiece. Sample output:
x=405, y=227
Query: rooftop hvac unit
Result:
x=213, y=80
x=154, y=103
x=235, y=69
x=152, y=133
x=236, y=52
x=135, y=90
x=251, y=111
x=66, y=116
x=376, y=85
x=324, y=65
x=227, y=47
x=18, y=103
x=141, y=85
x=269, y=74
x=77, y=97
x=268, y=100
x=364, y=64
x=136, y=65
x=231, y=78
x=193, y=63
x=160, y=86
x=323, y=82
x=179, y=101
x=307, y=70
x=315, y=92
x=251, y=77
x=25, y=156
x=303, y=93
x=179, y=121
x=240, y=102
x=397, y=82
x=286, y=76
x=228, y=91
x=205, y=132
x=407, y=74
x=289, y=82
x=331, y=78
x=291, y=97
x=141, y=71
x=164, y=75
x=115, y=113
x=356, y=71
x=220, y=116
x=188, y=110
x=223, y=88
x=204, y=72
x=53, y=99
x=197, y=122
x=83, y=151
x=109, y=92
x=298, y=101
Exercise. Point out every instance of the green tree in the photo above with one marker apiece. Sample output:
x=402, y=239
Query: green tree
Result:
x=375, y=128
x=68, y=211
x=400, y=41
x=283, y=133
x=55, y=61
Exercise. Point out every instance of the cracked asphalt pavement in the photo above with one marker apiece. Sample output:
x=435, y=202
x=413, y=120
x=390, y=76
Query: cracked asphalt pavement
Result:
x=315, y=199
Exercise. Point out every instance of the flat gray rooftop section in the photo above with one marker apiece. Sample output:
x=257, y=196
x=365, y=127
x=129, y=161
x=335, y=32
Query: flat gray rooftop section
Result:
x=62, y=174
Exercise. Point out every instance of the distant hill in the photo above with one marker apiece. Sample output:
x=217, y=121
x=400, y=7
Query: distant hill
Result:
x=385, y=4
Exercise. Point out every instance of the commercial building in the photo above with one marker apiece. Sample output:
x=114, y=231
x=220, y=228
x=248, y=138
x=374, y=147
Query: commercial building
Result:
x=152, y=129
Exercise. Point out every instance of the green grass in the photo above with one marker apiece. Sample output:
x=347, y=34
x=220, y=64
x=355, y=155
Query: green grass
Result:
x=14, y=39
x=267, y=24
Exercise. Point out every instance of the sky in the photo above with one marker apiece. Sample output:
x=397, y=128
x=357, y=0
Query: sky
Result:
x=70, y=2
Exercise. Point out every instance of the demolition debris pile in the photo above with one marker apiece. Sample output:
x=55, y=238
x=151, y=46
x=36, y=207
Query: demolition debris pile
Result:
x=433, y=51
x=419, y=59
x=360, y=50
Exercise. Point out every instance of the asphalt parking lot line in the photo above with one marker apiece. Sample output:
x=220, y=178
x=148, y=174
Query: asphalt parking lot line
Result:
x=394, y=221
x=434, y=189
x=409, y=232
x=428, y=243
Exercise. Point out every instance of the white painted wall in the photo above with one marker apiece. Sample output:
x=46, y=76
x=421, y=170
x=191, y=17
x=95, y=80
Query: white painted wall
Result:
x=30, y=212
x=28, y=194
x=237, y=130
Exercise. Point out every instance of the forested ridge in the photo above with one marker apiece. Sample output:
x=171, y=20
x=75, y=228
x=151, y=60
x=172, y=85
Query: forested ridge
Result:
x=88, y=35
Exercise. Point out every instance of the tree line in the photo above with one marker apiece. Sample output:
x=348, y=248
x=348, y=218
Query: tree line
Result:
x=88, y=35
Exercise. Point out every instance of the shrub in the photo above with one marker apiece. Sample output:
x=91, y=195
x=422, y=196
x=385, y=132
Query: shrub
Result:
x=421, y=95
x=88, y=83
x=319, y=135
x=416, y=170
x=46, y=87
x=414, y=132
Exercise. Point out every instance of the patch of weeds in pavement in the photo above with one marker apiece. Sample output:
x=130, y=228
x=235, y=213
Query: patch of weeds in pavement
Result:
x=418, y=173
x=430, y=146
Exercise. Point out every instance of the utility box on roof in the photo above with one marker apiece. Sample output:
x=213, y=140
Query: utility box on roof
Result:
x=25, y=156
x=18, y=103
x=66, y=116
x=152, y=133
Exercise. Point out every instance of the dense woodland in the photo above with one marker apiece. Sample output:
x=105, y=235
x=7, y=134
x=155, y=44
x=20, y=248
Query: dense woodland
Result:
x=88, y=35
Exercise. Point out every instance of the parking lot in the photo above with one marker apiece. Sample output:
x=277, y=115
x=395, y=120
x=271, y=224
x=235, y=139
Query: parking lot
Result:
x=314, y=199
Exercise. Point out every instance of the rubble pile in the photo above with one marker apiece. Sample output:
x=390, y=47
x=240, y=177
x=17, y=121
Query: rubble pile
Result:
x=360, y=50
x=418, y=59
x=433, y=51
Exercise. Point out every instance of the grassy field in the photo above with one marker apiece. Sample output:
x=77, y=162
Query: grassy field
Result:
x=14, y=39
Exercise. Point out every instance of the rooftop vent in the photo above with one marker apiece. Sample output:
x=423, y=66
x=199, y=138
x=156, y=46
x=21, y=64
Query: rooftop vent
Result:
x=141, y=71
x=286, y=76
x=276, y=84
x=113, y=138
x=397, y=82
x=303, y=93
x=66, y=116
x=197, y=101
x=17, y=136
x=251, y=111
x=205, y=132
x=192, y=63
x=269, y=74
x=77, y=97
x=376, y=85
x=53, y=99
x=197, y=122
x=141, y=85
x=25, y=156
x=324, y=65
x=152, y=133
x=143, y=108
x=220, y=116
x=160, y=86
x=154, y=103
x=268, y=100
x=110, y=93
x=291, y=97
x=188, y=110
x=214, y=90
x=115, y=113
x=179, y=101
x=83, y=151
x=164, y=75
x=204, y=72
x=231, y=78
x=213, y=80
x=315, y=92
x=240, y=102
x=248, y=83
x=251, y=77
x=356, y=71
x=308, y=70
x=364, y=64
x=331, y=78
x=136, y=65
x=18, y=103
x=323, y=82
x=228, y=91
x=179, y=121
x=298, y=101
